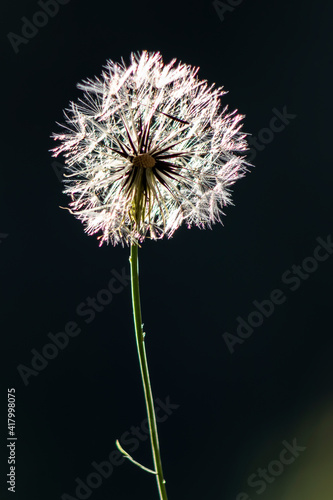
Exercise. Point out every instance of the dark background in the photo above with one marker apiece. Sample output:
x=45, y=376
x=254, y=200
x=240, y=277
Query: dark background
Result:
x=234, y=409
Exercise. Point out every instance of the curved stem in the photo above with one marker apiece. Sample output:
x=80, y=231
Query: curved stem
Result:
x=140, y=343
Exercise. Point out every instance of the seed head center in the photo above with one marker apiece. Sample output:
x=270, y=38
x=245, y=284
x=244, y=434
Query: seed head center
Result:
x=144, y=160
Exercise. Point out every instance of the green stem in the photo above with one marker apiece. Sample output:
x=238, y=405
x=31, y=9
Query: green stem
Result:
x=140, y=343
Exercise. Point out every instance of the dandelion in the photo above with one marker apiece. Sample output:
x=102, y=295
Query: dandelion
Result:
x=149, y=148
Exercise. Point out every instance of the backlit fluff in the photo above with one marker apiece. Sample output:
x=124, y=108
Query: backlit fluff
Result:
x=148, y=148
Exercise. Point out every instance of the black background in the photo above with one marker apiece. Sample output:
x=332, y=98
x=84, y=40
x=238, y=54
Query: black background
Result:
x=234, y=409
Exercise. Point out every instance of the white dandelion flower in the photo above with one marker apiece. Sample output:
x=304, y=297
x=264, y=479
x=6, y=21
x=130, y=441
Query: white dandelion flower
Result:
x=149, y=148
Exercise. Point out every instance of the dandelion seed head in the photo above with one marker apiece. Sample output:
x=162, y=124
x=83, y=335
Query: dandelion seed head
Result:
x=149, y=148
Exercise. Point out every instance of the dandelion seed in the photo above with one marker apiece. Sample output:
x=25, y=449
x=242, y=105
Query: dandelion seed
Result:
x=149, y=148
